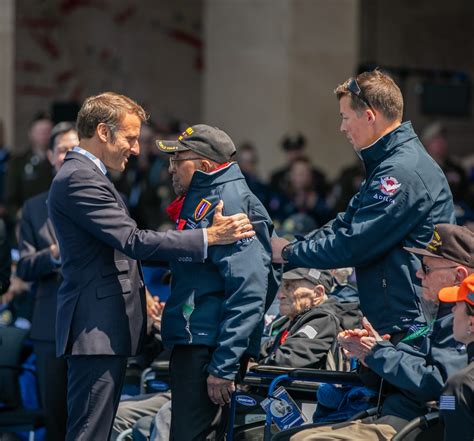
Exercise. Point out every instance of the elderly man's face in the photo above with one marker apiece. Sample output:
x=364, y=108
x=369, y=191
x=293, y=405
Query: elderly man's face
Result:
x=182, y=168
x=296, y=296
x=440, y=274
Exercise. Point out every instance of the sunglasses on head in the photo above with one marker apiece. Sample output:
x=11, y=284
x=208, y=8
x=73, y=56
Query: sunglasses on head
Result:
x=354, y=88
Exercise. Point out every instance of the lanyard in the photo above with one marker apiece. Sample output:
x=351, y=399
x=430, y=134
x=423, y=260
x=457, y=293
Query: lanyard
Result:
x=420, y=332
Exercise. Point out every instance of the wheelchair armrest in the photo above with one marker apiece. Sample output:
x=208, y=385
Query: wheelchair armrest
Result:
x=323, y=376
x=160, y=366
x=270, y=370
x=423, y=422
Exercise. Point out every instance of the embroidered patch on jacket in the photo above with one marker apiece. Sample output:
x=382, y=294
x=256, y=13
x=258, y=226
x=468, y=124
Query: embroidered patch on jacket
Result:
x=389, y=185
x=201, y=209
x=309, y=331
x=447, y=402
x=435, y=242
x=245, y=240
x=191, y=224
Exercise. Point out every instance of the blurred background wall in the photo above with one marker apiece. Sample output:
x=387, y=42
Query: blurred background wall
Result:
x=256, y=68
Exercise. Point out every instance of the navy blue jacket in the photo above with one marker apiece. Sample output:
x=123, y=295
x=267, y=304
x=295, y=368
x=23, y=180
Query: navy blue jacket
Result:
x=221, y=301
x=404, y=195
x=418, y=369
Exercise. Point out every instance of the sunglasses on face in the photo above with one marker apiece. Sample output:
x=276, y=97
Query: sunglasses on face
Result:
x=354, y=88
x=427, y=269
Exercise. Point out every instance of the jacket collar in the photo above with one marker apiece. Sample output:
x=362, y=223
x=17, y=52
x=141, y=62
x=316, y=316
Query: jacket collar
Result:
x=226, y=174
x=382, y=147
x=84, y=160
x=72, y=155
x=92, y=157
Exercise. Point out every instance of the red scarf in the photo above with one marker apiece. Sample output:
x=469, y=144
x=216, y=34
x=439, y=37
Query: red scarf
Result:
x=174, y=209
x=284, y=334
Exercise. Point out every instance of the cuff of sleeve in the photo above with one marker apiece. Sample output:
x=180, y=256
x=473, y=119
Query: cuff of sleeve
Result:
x=378, y=346
x=222, y=374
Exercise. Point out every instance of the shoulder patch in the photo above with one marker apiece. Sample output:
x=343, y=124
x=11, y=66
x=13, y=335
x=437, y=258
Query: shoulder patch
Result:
x=309, y=331
x=201, y=209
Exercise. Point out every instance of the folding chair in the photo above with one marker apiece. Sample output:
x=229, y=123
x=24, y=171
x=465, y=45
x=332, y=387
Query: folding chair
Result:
x=295, y=380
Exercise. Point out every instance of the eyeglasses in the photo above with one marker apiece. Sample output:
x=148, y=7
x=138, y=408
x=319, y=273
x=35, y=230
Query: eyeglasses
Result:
x=354, y=88
x=174, y=161
x=427, y=269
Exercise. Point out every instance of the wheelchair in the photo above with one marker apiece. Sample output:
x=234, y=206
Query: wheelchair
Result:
x=302, y=384
x=424, y=428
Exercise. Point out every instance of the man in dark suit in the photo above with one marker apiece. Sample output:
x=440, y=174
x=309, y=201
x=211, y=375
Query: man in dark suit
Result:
x=40, y=263
x=101, y=302
x=29, y=172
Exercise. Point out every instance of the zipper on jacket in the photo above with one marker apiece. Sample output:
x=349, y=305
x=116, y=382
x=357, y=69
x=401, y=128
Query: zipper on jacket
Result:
x=188, y=308
x=385, y=293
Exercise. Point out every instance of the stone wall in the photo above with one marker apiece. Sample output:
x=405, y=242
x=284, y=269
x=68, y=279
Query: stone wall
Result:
x=67, y=50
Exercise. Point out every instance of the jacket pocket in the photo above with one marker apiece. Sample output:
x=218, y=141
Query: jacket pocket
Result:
x=115, y=288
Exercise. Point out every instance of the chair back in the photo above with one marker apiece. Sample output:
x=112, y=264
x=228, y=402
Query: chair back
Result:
x=11, y=342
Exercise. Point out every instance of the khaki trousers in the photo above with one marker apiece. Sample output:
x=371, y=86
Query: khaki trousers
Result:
x=368, y=429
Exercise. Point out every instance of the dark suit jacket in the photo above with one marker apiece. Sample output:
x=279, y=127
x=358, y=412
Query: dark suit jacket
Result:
x=101, y=302
x=35, y=265
x=27, y=175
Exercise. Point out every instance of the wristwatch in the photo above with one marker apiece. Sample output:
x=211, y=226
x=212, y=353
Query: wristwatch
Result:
x=286, y=251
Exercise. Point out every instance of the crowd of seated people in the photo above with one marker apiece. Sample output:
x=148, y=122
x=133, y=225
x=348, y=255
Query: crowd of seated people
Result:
x=314, y=305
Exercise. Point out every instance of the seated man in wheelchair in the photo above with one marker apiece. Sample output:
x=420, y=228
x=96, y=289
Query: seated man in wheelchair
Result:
x=413, y=371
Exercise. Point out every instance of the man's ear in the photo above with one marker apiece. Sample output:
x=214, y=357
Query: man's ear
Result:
x=102, y=132
x=370, y=115
x=471, y=323
x=207, y=166
x=461, y=273
x=319, y=292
